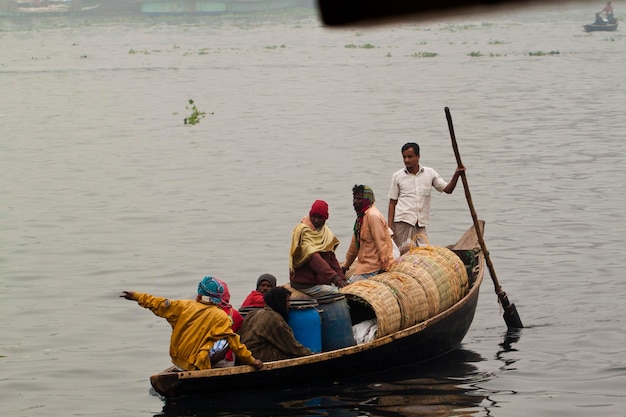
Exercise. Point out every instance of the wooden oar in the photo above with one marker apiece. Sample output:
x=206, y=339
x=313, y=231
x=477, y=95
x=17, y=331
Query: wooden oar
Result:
x=511, y=318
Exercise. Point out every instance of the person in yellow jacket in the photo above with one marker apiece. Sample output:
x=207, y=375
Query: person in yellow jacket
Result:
x=198, y=326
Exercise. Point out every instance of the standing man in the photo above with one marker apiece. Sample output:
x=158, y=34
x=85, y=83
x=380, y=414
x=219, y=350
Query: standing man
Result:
x=371, y=241
x=313, y=265
x=409, y=197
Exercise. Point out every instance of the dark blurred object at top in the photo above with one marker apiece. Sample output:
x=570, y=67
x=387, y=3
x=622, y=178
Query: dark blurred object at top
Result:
x=347, y=12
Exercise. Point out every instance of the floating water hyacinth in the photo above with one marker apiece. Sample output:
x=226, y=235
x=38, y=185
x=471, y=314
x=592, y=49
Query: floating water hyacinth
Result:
x=196, y=115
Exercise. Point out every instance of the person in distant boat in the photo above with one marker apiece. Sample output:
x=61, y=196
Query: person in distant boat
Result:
x=227, y=358
x=608, y=12
x=263, y=284
x=599, y=20
x=409, y=197
x=266, y=332
x=313, y=265
x=200, y=328
x=371, y=243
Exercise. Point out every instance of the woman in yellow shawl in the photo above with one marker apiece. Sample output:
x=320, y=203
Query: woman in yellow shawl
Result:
x=313, y=266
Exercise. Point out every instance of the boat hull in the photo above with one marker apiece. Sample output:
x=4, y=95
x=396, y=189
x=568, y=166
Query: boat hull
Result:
x=601, y=28
x=431, y=342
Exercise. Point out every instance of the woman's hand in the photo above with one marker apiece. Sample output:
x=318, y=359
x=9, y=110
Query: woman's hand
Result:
x=258, y=365
x=129, y=295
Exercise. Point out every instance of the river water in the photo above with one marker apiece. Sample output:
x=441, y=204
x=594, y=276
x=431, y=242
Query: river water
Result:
x=104, y=189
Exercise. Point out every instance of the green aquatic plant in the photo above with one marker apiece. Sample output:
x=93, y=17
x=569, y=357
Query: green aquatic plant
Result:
x=455, y=28
x=424, y=54
x=542, y=53
x=475, y=54
x=364, y=46
x=196, y=115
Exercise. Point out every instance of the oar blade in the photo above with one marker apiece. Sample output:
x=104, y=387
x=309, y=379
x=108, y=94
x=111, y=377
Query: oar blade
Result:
x=511, y=318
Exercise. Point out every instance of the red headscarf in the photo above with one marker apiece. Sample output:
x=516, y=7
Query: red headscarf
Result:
x=319, y=207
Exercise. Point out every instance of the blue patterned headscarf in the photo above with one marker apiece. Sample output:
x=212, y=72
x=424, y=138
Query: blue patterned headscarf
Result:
x=211, y=288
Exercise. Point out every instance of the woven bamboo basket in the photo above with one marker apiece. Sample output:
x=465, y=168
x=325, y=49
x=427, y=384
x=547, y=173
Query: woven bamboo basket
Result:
x=438, y=273
x=459, y=268
x=444, y=267
x=457, y=273
x=410, y=295
x=425, y=281
x=379, y=298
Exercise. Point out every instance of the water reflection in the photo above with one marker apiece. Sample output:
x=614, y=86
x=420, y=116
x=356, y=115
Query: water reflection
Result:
x=511, y=337
x=443, y=387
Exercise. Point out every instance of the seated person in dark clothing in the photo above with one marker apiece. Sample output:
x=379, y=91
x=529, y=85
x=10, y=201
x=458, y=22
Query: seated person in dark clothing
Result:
x=263, y=284
x=266, y=332
x=313, y=265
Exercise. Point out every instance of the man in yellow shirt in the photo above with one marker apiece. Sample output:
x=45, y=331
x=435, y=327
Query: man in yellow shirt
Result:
x=371, y=241
x=197, y=325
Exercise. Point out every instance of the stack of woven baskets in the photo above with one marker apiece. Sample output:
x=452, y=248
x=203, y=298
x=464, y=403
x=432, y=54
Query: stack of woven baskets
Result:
x=422, y=283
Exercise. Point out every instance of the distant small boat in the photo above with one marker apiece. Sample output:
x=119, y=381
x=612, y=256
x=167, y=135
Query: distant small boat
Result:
x=604, y=27
x=44, y=8
x=199, y=7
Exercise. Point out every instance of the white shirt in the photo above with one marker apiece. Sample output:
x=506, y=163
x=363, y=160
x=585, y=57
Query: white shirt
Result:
x=413, y=194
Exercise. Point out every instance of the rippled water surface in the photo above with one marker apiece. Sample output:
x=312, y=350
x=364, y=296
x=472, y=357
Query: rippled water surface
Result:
x=104, y=188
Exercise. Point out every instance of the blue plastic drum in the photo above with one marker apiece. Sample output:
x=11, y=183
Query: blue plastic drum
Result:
x=306, y=323
x=336, y=322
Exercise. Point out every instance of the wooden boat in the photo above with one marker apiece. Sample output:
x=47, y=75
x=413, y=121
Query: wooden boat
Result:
x=420, y=342
x=604, y=27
